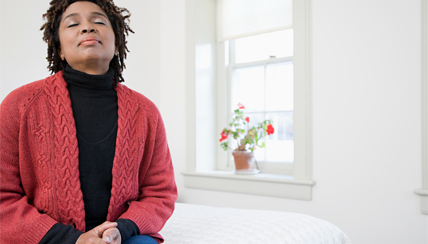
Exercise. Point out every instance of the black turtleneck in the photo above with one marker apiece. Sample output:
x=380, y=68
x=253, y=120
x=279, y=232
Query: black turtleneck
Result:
x=94, y=104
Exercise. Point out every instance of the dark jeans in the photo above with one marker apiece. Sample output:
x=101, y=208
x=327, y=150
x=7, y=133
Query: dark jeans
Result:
x=141, y=239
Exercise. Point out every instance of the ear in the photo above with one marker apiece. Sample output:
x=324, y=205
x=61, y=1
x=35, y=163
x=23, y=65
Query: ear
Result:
x=61, y=54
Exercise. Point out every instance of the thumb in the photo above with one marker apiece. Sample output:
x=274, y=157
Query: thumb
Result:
x=99, y=230
x=107, y=239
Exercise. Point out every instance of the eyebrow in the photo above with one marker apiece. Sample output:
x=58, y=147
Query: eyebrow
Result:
x=93, y=13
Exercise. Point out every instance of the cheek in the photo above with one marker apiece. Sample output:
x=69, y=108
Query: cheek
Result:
x=113, y=42
x=64, y=42
x=111, y=38
x=112, y=45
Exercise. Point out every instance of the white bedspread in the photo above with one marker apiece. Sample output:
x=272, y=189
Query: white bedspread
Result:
x=203, y=224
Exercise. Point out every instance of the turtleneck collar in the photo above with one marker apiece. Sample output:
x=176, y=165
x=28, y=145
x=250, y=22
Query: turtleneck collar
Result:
x=99, y=82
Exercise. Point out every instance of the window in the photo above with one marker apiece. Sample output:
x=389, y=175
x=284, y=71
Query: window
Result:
x=219, y=37
x=260, y=76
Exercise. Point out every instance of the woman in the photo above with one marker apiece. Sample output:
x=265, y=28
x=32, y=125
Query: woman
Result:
x=84, y=159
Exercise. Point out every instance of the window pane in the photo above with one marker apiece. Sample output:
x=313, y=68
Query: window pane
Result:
x=255, y=118
x=280, y=145
x=279, y=86
x=248, y=88
x=275, y=44
x=259, y=154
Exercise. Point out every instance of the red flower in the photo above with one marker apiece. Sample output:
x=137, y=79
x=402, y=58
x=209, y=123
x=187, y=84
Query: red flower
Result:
x=270, y=129
x=240, y=106
x=224, y=135
x=247, y=119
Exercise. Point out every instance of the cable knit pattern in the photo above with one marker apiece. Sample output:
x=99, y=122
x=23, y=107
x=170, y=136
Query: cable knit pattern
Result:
x=41, y=133
x=70, y=198
x=123, y=187
x=39, y=166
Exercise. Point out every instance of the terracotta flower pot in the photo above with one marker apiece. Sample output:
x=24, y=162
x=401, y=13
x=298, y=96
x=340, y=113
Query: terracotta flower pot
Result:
x=243, y=159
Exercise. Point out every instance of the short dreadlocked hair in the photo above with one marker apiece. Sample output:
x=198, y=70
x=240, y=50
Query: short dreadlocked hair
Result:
x=118, y=17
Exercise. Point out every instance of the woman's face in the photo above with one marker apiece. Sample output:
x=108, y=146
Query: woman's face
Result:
x=87, y=38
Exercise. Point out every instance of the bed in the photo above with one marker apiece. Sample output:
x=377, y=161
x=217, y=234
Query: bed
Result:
x=204, y=224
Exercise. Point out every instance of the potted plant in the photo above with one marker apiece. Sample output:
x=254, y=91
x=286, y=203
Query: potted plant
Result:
x=245, y=139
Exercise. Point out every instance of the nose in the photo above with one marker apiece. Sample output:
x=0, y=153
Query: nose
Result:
x=88, y=30
x=88, y=27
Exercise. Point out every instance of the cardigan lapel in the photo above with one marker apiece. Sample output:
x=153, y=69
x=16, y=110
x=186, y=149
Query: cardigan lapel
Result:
x=125, y=165
x=66, y=151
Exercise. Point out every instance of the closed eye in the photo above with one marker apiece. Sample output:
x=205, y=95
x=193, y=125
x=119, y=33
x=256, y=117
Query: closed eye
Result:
x=100, y=23
x=72, y=25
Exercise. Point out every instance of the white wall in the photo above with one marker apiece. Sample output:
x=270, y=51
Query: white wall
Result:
x=366, y=94
x=22, y=50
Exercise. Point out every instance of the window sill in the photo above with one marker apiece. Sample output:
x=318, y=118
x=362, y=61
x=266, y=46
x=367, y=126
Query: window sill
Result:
x=283, y=186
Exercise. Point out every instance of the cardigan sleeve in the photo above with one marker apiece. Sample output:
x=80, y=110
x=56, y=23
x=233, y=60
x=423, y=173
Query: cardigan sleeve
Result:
x=59, y=233
x=20, y=222
x=158, y=191
x=127, y=229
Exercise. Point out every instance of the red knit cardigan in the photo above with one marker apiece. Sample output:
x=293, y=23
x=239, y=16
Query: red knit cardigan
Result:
x=39, y=166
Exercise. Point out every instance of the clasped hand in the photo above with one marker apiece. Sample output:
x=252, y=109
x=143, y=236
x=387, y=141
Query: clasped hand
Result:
x=102, y=234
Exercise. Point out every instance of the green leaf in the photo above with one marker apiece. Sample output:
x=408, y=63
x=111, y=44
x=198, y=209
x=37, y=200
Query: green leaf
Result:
x=224, y=145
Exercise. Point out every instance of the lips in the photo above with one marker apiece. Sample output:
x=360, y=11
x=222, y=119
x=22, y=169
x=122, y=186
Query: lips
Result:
x=89, y=41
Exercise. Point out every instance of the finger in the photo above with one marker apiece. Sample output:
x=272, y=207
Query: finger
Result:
x=111, y=235
x=99, y=230
x=98, y=241
x=107, y=239
x=89, y=237
x=107, y=236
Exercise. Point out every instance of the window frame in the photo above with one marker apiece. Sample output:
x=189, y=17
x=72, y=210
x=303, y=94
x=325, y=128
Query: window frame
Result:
x=423, y=191
x=201, y=174
x=223, y=118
